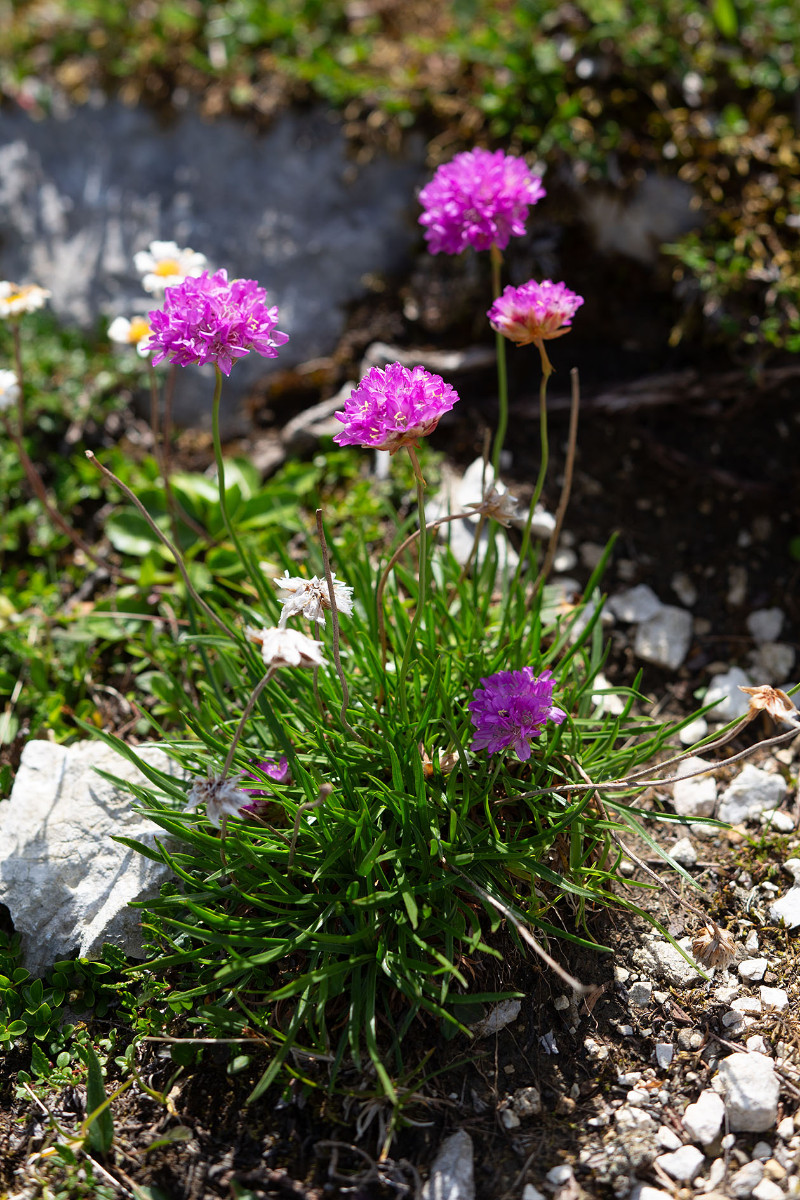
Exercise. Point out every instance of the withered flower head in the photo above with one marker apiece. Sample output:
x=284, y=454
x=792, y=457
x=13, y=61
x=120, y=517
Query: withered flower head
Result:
x=771, y=700
x=714, y=947
x=500, y=506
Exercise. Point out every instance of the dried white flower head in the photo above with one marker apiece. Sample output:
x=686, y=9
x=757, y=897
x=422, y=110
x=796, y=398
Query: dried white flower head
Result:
x=713, y=946
x=310, y=598
x=165, y=264
x=9, y=389
x=286, y=647
x=16, y=300
x=131, y=333
x=221, y=797
x=499, y=506
x=771, y=700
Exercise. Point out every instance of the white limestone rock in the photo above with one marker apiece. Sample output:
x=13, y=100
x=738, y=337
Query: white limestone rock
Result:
x=684, y=853
x=702, y=1120
x=786, y=909
x=683, y=1164
x=772, y=661
x=664, y=638
x=636, y=604
x=66, y=883
x=750, y=1089
x=765, y=624
x=725, y=689
x=695, y=797
x=660, y=958
x=751, y=793
x=452, y=1174
x=753, y=969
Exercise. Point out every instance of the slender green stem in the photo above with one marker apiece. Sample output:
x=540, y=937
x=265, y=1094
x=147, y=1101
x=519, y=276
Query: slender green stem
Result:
x=257, y=690
x=255, y=575
x=423, y=580
x=544, y=462
x=502, y=371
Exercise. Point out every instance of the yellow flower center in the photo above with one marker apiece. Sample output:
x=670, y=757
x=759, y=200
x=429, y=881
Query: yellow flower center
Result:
x=167, y=266
x=139, y=329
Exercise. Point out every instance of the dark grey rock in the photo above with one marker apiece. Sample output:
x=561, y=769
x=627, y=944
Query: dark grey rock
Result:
x=81, y=193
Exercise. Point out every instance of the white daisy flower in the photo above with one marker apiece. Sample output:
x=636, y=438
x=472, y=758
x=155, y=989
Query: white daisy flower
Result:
x=165, y=264
x=221, y=797
x=286, y=647
x=16, y=299
x=9, y=389
x=131, y=333
x=310, y=597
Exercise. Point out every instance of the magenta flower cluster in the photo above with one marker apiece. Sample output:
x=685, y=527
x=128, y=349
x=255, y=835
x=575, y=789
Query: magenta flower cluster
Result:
x=480, y=199
x=207, y=319
x=511, y=708
x=534, y=312
x=394, y=408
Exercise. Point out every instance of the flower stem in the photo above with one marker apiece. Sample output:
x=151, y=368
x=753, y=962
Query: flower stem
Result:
x=257, y=690
x=423, y=578
x=502, y=372
x=255, y=576
x=566, y=488
x=544, y=462
x=326, y=565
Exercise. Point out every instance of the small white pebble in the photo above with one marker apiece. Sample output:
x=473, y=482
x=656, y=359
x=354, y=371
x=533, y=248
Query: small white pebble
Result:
x=751, y=944
x=529, y=1192
x=621, y=975
x=728, y=1141
x=509, y=1118
x=560, y=1175
x=756, y=1044
x=668, y=1139
x=775, y=998
x=560, y=1003
x=767, y=1190
x=753, y=969
x=665, y=1052
x=785, y=1128
x=628, y=1078
x=625, y=1030
x=637, y=1097
x=762, y=1151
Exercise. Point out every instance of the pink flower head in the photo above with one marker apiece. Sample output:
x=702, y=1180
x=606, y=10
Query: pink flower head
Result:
x=394, y=408
x=534, y=312
x=479, y=199
x=207, y=319
x=277, y=769
x=511, y=708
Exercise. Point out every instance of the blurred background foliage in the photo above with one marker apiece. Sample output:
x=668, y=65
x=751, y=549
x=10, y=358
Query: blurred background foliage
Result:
x=610, y=89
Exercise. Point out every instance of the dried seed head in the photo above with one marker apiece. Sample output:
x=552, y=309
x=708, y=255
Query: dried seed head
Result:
x=713, y=946
x=770, y=700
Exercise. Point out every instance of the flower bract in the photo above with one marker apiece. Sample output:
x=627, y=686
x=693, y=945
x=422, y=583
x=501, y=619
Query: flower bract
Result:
x=511, y=708
x=16, y=300
x=393, y=408
x=310, y=597
x=286, y=647
x=166, y=264
x=135, y=332
x=534, y=312
x=221, y=797
x=9, y=389
x=480, y=199
x=209, y=320
x=273, y=768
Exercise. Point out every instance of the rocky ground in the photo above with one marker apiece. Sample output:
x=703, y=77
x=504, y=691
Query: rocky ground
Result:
x=661, y=1082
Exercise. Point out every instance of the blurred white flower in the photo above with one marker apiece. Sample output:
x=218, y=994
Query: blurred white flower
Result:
x=286, y=647
x=221, y=797
x=165, y=264
x=310, y=597
x=9, y=389
x=131, y=333
x=16, y=300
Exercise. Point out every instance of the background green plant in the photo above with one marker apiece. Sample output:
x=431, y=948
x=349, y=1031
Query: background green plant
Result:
x=606, y=88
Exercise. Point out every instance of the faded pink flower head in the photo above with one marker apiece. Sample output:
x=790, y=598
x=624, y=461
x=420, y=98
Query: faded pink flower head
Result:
x=207, y=319
x=394, y=408
x=273, y=768
x=480, y=199
x=510, y=709
x=534, y=312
